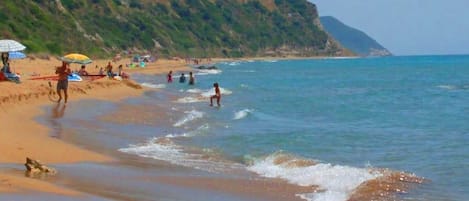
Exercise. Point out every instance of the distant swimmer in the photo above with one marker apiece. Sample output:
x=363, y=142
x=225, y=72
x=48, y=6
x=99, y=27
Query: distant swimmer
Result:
x=217, y=95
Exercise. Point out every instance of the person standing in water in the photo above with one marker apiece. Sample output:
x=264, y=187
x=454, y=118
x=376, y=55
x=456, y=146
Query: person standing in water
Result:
x=191, y=79
x=62, y=82
x=217, y=95
x=170, y=76
x=182, y=78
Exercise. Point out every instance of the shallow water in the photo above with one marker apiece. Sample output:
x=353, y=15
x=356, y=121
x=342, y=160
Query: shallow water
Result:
x=407, y=114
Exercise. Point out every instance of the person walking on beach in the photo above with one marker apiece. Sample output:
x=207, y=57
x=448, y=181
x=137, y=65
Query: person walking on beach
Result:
x=191, y=79
x=217, y=95
x=170, y=76
x=62, y=83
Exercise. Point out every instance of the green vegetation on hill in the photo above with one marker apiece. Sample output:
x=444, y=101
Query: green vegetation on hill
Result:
x=170, y=28
x=353, y=39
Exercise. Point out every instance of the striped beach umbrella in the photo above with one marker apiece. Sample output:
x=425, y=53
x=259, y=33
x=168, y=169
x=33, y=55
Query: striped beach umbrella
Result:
x=11, y=46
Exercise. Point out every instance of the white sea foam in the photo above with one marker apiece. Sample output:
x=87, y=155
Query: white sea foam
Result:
x=202, y=95
x=337, y=181
x=166, y=150
x=242, y=114
x=446, y=86
x=190, y=116
x=195, y=91
x=209, y=72
x=153, y=86
x=199, y=131
x=189, y=99
x=211, y=92
x=234, y=63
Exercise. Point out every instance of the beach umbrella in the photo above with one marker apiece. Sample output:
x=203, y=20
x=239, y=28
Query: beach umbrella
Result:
x=11, y=46
x=76, y=58
x=16, y=55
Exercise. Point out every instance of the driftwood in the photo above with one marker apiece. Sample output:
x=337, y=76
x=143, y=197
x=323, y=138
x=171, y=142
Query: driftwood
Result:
x=35, y=166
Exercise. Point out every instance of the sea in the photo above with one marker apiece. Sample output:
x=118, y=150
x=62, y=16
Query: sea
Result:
x=349, y=120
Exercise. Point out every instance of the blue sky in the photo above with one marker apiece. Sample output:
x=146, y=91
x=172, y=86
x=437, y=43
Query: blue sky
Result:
x=407, y=27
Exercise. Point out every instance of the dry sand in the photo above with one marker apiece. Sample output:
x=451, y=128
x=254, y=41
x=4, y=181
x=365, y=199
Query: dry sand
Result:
x=21, y=136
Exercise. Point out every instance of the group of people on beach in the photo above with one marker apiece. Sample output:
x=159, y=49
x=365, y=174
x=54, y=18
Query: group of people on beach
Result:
x=64, y=71
x=182, y=79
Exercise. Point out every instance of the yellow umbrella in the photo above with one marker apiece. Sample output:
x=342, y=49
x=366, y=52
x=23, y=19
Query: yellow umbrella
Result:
x=76, y=58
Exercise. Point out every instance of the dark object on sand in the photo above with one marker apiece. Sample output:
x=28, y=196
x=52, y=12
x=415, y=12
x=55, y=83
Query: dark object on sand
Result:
x=35, y=166
x=201, y=67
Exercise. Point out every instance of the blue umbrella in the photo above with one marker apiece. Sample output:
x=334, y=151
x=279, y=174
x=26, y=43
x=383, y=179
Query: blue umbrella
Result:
x=16, y=55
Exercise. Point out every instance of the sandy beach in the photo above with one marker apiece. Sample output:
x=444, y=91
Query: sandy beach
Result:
x=21, y=136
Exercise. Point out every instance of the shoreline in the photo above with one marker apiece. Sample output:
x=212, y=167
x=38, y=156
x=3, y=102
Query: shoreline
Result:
x=26, y=103
x=22, y=136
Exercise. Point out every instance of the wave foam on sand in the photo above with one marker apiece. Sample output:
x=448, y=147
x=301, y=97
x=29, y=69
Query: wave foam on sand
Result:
x=190, y=116
x=153, y=86
x=328, y=182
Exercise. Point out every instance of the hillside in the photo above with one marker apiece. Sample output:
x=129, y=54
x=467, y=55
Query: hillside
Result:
x=353, y=39
x=168, y=27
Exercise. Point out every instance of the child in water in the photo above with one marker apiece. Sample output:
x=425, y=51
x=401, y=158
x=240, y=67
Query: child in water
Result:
x=217, y=95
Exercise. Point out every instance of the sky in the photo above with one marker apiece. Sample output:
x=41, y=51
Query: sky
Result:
x=406, y=27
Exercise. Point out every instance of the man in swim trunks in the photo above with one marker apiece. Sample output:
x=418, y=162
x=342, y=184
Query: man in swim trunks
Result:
x=62, y=82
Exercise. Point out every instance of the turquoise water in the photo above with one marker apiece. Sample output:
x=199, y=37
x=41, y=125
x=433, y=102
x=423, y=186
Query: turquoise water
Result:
x=403, y=113
x=407, y=114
